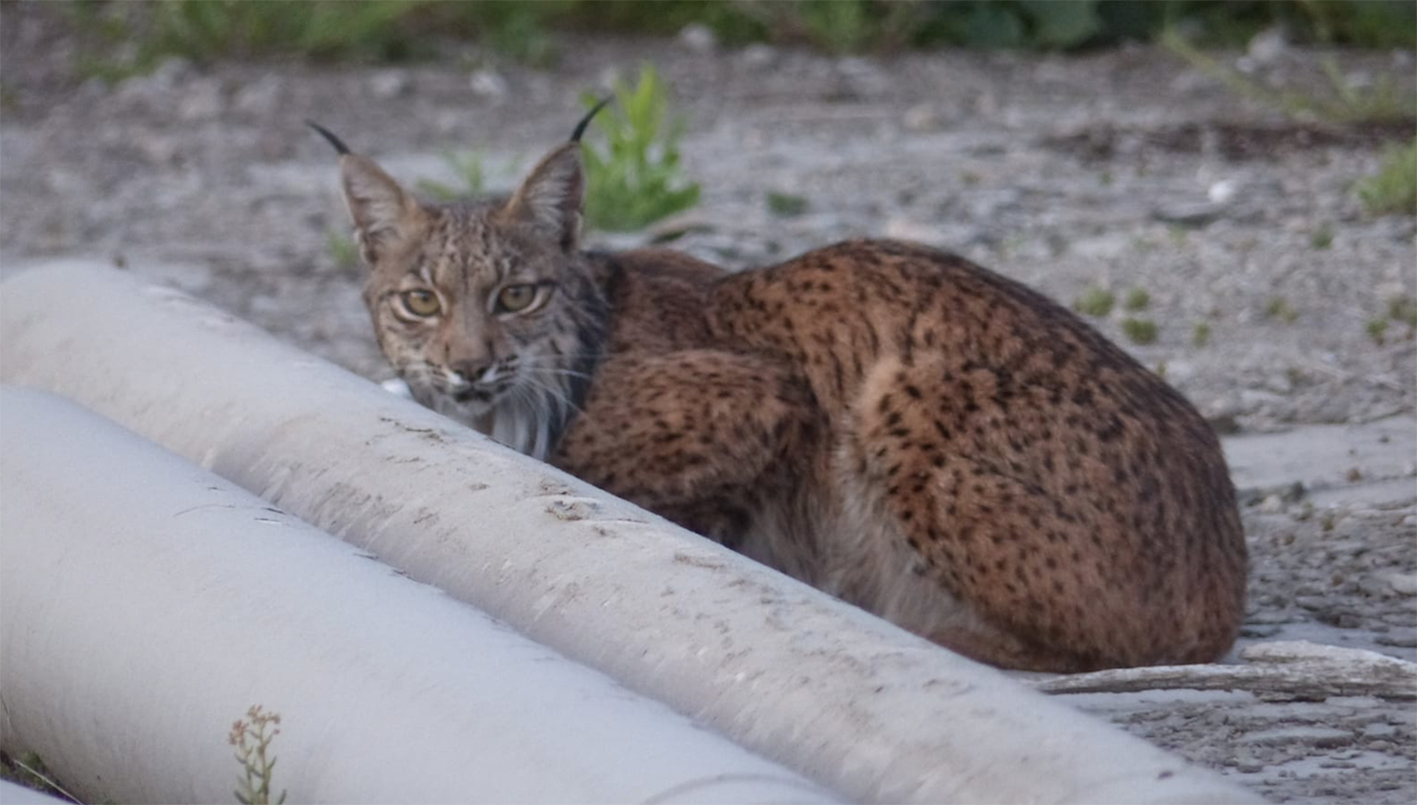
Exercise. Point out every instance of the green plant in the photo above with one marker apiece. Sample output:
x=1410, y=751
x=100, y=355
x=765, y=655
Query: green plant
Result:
x=252, y=739
x=1095, y=302
x=786, y=205
x=1200, y=334
x=1383, y=24
x=1338, y=103
x=342, y=248
x=468, y=167
x=1377, y=329
x=1404, y=309
x=140, y=35
x=1321, y=238
x=1137, y=299
x=1278, y=308
x=1394, y=187
x=1139, y=331
x=636, y=180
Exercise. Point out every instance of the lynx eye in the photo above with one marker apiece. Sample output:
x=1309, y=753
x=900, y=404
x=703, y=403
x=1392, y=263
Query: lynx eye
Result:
x=421, y=302
x=516, y=298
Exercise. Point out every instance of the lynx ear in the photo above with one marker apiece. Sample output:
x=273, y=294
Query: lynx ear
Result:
x=549, y=201
x=383, y=213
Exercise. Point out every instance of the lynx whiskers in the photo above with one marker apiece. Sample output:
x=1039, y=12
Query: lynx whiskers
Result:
x=484, y=308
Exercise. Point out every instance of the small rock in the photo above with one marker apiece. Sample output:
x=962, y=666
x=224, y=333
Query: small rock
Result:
x=489, y=84
x=261, y=98
x=698, y=38
x=1402, y=583
x=201, y=101
x=1379, y=730
x=1272, y=504
x=1221, y=192
x=1324, y=737
x=1267, y=46
x=1246, y=762
x=758, y=55
x=389, y=84
x=1189, y=213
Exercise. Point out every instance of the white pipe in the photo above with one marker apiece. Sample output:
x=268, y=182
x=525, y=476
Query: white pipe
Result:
x=13, y=794
x=148, y=603
x=840, y=696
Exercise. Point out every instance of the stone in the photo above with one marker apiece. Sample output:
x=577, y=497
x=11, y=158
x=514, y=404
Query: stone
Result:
x=697, y=38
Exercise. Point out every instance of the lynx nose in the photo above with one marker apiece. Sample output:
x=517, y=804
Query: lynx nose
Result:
x=473, y=372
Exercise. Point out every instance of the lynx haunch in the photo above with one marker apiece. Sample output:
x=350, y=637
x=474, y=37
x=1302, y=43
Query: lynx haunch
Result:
x=892, y=424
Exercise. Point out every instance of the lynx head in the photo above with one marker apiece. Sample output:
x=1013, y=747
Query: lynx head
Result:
x=487, y=309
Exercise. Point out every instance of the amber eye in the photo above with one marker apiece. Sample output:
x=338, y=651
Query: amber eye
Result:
x=515, y=298
x=421, y=302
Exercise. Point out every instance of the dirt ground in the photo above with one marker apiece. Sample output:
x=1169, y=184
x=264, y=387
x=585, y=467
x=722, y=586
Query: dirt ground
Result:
x=1123, y=169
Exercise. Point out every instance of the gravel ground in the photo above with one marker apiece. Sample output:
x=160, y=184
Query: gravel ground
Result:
x=1122, y=170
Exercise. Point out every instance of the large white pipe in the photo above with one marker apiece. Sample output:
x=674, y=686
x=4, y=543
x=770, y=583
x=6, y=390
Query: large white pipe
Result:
x=148, y=603
x=12, y=794
x=841, y=696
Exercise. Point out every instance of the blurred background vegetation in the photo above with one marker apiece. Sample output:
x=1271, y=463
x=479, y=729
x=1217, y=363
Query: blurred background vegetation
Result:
x=530, y=32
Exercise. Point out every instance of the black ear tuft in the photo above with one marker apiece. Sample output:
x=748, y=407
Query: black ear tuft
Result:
x=333, y=140
x=585, y=121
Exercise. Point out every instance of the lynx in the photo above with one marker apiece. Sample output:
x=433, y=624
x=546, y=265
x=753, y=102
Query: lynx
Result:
x=892, y=424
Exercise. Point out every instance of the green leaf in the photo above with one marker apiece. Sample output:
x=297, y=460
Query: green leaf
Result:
x=1062, y=23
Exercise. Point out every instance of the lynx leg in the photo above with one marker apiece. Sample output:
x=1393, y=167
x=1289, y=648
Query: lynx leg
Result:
x=702, y=437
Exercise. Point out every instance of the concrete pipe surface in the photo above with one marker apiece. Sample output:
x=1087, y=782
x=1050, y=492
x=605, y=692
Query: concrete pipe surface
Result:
x=836, y=694
x=12, y=794
x=148, y=603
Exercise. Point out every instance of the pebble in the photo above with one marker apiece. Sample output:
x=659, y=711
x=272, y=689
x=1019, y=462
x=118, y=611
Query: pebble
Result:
x=1379, y=730
x=698, y=38
x=261, y=98
x=1402, y=583
x=489, y=84
x=389, y=84
x=758, y=55
x=1189, y=213
x=201, y=101
x=1266, y=47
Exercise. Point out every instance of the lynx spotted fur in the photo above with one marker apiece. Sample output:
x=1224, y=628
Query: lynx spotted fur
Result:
x=901, y=428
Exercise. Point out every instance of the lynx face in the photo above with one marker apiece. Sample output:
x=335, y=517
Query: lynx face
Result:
x=486, y=310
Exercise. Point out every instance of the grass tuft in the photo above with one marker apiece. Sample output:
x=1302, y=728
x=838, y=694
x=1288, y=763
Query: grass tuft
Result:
x=1137, y=299
x=1404, y=309
x=1139, y=331
x=1393, y=189
x=1095, y=301
x=469, y=169
x=786, y=205
x=636, y=179
x=342, y=248
x=1338, y=103
x=1278, y=308
x=1200, y=334
x=1377, y=330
